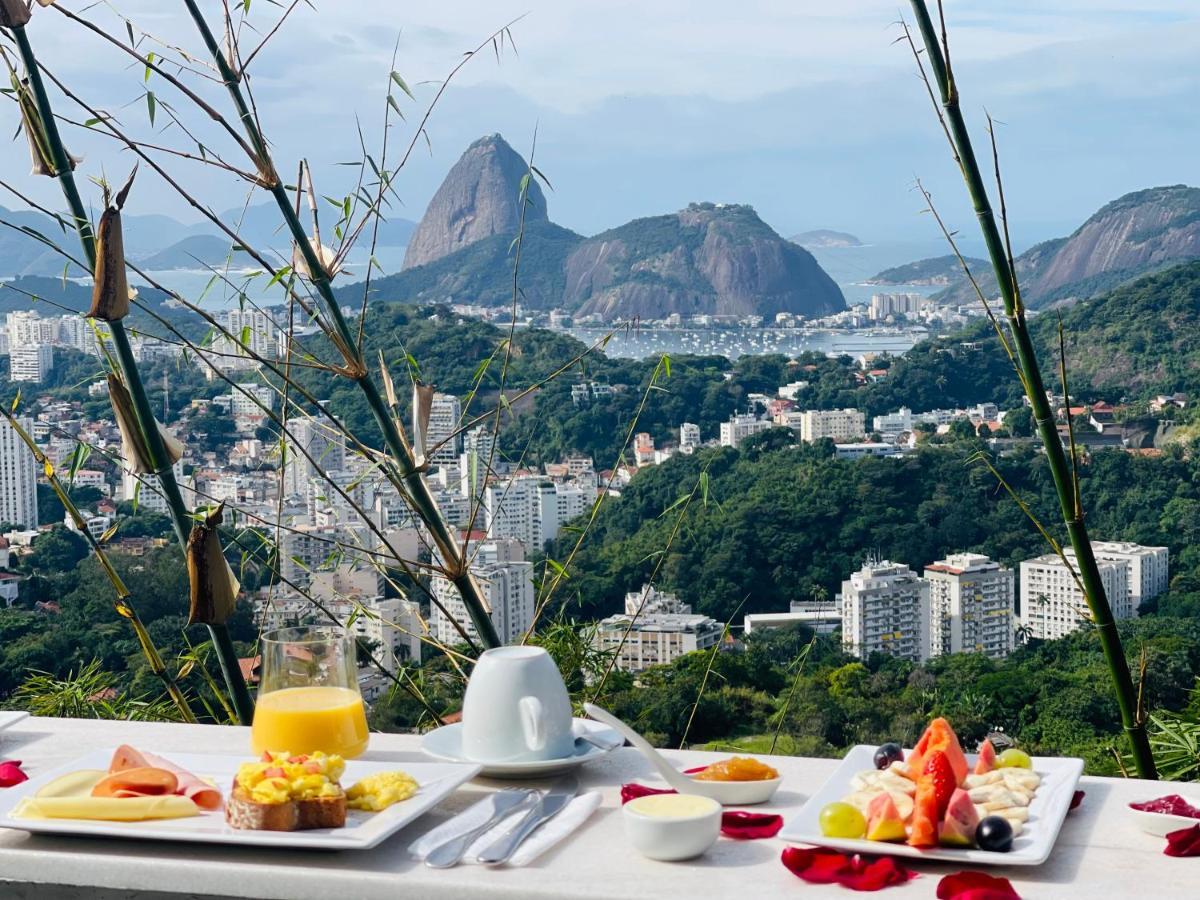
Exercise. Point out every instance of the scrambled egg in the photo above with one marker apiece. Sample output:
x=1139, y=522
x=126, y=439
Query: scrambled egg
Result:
x=381, y=790
x=279, y=777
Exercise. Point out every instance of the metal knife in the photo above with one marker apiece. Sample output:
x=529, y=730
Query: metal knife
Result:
x=450, y=852
x=551, y=804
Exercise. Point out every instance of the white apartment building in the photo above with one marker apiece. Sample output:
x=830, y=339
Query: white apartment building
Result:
x=77, y=332
x=1148, y=570
x=655, y=640
x=18, y=477
x=884, y=305
x=324, y=445
x=792, y=390
x=442, y=445
x=242, y=401
x=972, y=606
x=885, y=609
x=145, y=490
x=689, y=437
x=839, y=425
x=394, y=624
x=26, y=326
x=740, y=427
x=254, y=330
x=30, y=362
x=304, y=549
x=893, y=423
x=1052, y=604
x=506, y=581
x=531, y=509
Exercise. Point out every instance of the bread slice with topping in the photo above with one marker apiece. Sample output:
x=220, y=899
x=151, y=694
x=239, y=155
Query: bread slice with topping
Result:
x=243, y=811
x=281, y=792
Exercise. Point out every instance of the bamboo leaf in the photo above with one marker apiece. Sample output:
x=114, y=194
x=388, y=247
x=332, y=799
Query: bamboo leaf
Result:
x=151, y=102
x=400, y=84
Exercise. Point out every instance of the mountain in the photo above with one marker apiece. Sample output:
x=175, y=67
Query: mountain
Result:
x=825, y=239
x=194, y=252
x=1138, y=233
x=940, y=270
x=482, y=272
x=480, y=197
x=710, y=258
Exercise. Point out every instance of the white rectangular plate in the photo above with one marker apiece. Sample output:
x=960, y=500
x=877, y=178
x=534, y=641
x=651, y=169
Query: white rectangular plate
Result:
x=362, y=831
x=1031, y=848
x=10, y=718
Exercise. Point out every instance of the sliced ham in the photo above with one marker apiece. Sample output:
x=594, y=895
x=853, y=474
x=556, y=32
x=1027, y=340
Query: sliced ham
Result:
x=199, y=791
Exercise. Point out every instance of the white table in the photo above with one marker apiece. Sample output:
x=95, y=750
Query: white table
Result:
x=1100, y=853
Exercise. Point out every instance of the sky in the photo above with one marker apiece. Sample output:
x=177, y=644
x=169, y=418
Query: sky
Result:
x=810, y=112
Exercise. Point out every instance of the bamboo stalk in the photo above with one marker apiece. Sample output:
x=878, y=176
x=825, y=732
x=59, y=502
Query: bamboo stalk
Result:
x=1014, y=311
x=180, y=518
x=355, y=368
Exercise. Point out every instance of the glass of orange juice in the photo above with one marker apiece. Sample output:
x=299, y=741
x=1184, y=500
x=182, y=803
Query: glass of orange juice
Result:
x=308, y=697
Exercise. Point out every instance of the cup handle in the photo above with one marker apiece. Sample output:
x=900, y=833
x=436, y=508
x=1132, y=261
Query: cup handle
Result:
x=531, y=722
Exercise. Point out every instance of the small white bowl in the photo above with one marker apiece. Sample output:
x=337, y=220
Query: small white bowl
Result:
x=657, y=831
x=736, y=793
x=1160, y=824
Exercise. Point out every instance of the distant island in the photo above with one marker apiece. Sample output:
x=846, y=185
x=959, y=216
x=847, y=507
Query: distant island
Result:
x=939, y=271
x=824, y=239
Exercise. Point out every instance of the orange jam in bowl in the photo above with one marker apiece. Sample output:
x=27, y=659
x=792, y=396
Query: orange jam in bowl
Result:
x=737, y=768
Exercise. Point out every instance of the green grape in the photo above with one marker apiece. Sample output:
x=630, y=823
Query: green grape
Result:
x=1012, y=758
x=841, y=820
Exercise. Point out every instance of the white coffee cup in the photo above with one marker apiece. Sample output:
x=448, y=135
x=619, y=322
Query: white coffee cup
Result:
x=516, y=708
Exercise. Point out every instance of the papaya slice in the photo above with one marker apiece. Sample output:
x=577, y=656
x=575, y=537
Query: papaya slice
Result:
x=925, y=820
x=987, y=758
x=140, y=782
x=939, y=736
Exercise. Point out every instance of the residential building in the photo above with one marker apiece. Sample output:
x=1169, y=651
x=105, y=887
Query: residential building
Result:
x=884, y=306
x=255, y=331
x=30, y=362
x=885, y=609
x=866, y=448
x=654, y=640
x=643, y=449
x=1147, y=576
x=689, y=437
x=531, y=509
x=740, y=427
x=314, y=445
x=506, y=581
x=1052, y=603
x=650, y=600
x=839, y=425
x=972, y=606
x=793, y=389
x=394, y=624
x=249, y=403
x=18, y=477
x=892, y=424
x=442, y=442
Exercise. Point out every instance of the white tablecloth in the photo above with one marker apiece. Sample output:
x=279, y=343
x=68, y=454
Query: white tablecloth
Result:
x=1100, y=852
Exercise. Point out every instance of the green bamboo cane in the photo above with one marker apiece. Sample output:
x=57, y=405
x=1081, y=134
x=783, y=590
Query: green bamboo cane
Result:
x=180, y=518
x=355, y=369
x=1064, y=480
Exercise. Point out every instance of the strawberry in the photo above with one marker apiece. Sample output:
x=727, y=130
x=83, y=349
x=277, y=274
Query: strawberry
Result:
x=940, y=774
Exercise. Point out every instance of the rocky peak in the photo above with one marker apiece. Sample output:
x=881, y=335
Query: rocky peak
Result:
x=479, y=197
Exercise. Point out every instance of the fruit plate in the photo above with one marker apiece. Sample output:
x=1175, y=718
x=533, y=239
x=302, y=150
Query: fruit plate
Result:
x=1032, y=847
x=362, y=830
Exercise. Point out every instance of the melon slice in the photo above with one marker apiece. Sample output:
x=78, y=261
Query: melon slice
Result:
x=987, y=758
x=958, y=827
x=939, y=736
x=884, y=822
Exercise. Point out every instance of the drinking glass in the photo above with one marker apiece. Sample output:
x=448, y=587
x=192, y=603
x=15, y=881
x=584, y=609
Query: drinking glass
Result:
x=308, y=697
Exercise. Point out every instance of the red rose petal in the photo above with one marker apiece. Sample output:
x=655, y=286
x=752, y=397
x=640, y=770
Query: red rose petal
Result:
x=975, y=886
x=745, y=826
x=858, y=873
x=1184, y=842
x=1076, y=799
x=632, y=791
x=11, y=774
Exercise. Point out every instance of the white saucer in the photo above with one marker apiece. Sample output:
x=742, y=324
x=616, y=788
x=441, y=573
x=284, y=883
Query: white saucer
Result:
x=446, y=743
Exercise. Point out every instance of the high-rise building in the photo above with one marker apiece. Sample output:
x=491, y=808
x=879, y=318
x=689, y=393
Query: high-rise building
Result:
x=884, y=305
x=145, y=490
x=18, y=477
x=836, y=424
x=1052, y=603
x=971, y=606
x=254, y=330
x=30, y=362
x=885, y=609
x=26, y=327
x=78, y=333
x=442, y=442
x=1148, y=572
x=506, y=581
x=325, y=448
x=531, y=509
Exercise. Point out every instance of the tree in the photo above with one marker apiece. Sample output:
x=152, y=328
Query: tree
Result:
x=58, y=550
